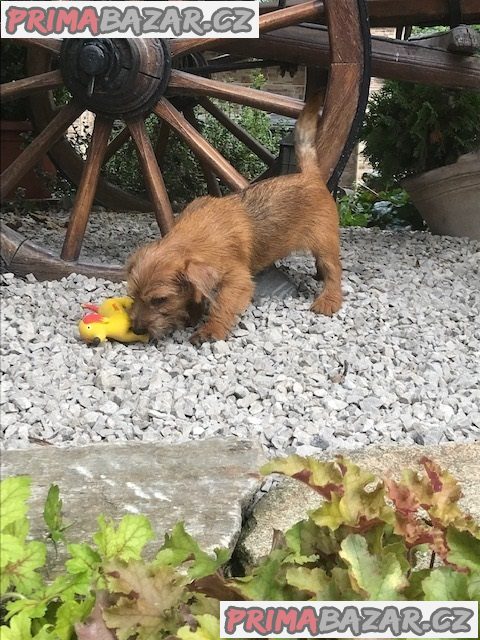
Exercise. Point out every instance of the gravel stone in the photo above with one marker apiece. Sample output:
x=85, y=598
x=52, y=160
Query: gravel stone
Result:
x=109, y=407
x=398, y=363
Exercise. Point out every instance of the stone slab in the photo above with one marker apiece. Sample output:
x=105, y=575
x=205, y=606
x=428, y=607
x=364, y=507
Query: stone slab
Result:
x=290, y=500
x=207, y=484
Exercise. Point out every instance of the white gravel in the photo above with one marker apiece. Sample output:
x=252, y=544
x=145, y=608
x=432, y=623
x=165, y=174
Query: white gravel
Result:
x=398, y=364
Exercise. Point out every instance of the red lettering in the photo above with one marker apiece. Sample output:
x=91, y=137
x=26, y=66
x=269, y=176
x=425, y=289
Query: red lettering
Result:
x=66, y=18
x=233, y=618
x=89, y=20
x=285, y=618
x=14, y=18
x=34, y=22
x=50, y=20
x=308, y=618
x=254, y=621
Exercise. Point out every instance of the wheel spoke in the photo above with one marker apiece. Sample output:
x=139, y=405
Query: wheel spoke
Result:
x=38, y=148
x=77, y=224
x=239, y=132
x=210, y=177
x=27, y=86
x=187, y=83
x=268, y=22
x=49, y=44
x=117, y=143
x=203, y=149
x=153, y=175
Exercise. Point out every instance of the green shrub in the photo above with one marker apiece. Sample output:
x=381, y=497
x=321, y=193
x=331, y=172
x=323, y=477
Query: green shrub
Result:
x=411, y=128
x=388, y=208
x=362, y=543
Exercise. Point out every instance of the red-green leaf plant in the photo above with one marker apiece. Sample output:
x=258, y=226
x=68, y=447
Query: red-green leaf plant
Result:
x=363, y=542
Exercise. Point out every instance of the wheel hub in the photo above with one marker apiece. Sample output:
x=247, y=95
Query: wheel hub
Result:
x=119, y=78
x=95, y=58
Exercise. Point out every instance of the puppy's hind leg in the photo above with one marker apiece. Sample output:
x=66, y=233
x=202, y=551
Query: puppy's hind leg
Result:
x=319, y=275
x=234, y=295
x=326, y=250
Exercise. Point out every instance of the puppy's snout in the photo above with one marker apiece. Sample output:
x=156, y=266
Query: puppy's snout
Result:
x=138, y=327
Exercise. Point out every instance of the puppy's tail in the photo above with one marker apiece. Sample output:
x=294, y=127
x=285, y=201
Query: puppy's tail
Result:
x=306, y=134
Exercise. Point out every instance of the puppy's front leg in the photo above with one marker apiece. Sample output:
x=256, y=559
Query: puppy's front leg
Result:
x=234, y=295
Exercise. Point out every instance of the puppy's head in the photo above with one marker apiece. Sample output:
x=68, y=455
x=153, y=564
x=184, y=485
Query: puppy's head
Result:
x=168, y=288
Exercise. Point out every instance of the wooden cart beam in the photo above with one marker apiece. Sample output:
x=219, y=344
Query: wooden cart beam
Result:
x=391, y=59
x=23, y=256
x=395, y=13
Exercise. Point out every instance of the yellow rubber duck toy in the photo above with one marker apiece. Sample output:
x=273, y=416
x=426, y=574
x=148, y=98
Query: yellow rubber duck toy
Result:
x=110, y=320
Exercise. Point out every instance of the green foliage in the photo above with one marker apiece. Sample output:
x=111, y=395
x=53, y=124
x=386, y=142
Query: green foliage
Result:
x=411, y=128
x=182, y=173
x=362, y=543
x=52, y=514
x=389, y=208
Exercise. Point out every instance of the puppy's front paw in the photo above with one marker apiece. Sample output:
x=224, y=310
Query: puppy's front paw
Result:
x=327, y=305
x=207, y=334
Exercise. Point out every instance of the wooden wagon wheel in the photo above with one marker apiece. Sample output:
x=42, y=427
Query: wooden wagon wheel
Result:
x=130, y=79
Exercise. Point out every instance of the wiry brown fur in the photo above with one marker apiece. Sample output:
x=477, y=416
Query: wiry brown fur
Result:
x=218, y=244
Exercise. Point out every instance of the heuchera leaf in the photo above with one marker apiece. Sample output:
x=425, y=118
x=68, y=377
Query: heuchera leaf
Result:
x=414, y=591
x=464, y=549
x=180, y=547
x=94, y=627
x=437, y=493
x=474, y=586
x=11, y=549
x=22, y=572
x=65, y=587
x=31, y=607
x=268, y=580
x=148, y=595
x=360, y=506
x=125, y=541
x=314, y=581
x=326, y=478
x=307, y=540
x=208, y=628
x=216, y=587
x=445, y=583
x=14, y=493
x=377, y=577
x=19, y=628
x=83, y=559
x=70, y=613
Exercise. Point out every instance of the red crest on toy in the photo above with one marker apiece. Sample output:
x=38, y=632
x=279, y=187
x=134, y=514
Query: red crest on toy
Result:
x=92, y=317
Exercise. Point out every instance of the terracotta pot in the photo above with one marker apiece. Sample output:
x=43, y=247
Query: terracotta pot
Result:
x=449, y=198
x=12, y=145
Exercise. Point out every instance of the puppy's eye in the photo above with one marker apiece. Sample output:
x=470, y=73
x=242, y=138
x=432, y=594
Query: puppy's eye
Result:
x=157, y=302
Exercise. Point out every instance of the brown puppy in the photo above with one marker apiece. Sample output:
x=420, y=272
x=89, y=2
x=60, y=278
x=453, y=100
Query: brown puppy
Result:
x=218, y=244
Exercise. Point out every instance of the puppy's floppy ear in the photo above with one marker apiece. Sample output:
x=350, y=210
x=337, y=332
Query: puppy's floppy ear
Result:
x=130, y=263
x=202, y=277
